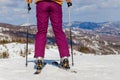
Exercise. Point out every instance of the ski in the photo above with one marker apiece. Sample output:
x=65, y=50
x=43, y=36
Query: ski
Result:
x=39, y=71
x=59, y=66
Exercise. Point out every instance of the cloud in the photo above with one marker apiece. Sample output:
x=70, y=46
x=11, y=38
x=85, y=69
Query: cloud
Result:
x=12, y=11
x=85, y=5
x=110, y=4
x=86, y=8
x=16, y=10
x=96, y=10
x=8, y=6
x=4, y=2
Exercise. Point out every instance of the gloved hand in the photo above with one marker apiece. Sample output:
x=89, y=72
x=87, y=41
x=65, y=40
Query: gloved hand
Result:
x=29, y=8
x=28, y=2
x=69, y=4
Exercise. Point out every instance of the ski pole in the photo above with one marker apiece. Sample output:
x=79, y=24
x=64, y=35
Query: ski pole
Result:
x=29, y=8
x=70, y=26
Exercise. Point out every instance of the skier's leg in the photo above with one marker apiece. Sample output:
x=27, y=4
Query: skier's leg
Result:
x=56, y=20
x=42, y=25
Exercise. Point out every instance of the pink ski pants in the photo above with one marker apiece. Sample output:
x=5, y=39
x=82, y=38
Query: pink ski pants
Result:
x=53, y=11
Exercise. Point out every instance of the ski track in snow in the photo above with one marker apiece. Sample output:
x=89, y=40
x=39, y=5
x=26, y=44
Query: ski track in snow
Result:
x=88, y=67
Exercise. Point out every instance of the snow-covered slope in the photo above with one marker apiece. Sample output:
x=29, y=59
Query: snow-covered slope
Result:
x=88, y=67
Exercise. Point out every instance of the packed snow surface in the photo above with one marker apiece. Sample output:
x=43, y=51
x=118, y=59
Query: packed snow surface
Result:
x=88, y=67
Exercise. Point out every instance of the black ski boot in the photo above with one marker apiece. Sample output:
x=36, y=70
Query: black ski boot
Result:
x=39, y=66
x=65, y=63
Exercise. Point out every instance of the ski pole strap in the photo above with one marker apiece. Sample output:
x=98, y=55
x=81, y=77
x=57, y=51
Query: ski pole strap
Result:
x=29, y=8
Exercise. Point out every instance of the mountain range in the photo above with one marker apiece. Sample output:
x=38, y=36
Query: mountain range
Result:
x=88, y=37
x=112, y=28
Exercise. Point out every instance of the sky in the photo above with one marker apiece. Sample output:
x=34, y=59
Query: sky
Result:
x=15, y=11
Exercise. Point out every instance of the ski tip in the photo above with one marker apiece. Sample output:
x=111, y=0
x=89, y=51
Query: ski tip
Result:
x=37, y=72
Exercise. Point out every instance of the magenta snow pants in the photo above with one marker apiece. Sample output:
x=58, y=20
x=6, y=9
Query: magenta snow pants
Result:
x=44, y=11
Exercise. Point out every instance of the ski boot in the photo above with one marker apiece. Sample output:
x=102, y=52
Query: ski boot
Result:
x=65, y=63
x=39, y=65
